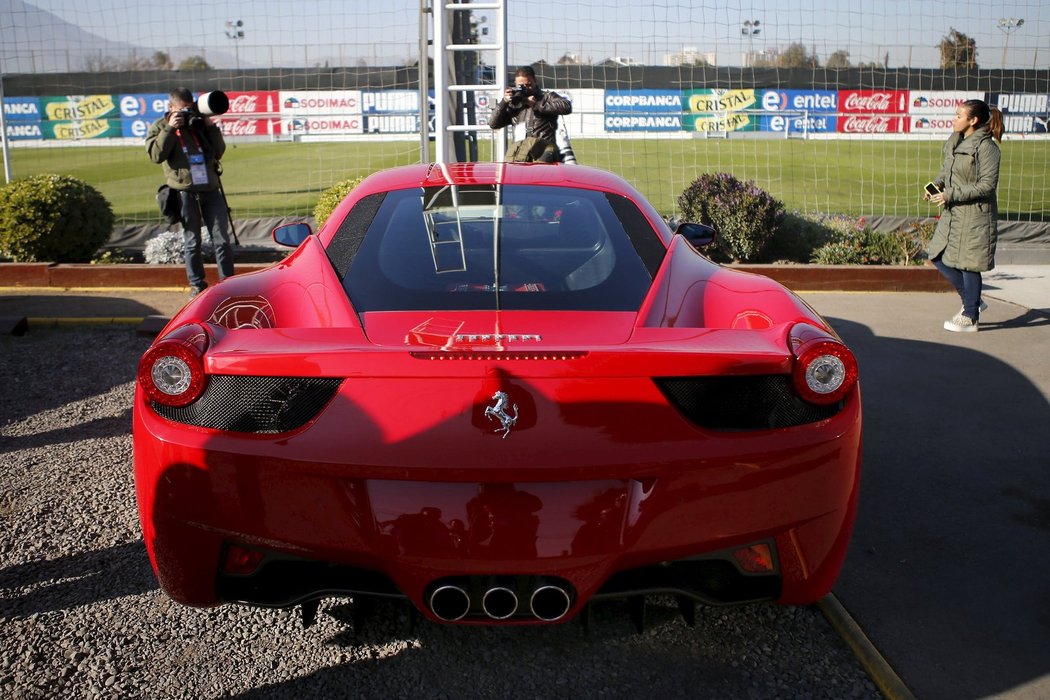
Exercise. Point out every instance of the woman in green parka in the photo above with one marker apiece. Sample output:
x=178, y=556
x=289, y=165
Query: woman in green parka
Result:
x=963, y=245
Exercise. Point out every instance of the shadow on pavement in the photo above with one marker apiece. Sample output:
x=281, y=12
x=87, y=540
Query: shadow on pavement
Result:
x=51, y=585
x=1027, y=319
x=100, y=305
x=947, y=570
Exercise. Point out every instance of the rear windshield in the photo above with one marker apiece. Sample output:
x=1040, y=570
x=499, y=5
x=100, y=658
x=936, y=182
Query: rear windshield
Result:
x=509, y=247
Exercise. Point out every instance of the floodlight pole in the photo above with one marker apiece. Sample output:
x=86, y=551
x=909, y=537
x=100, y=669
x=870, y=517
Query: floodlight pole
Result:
x=1008, y=25
x=235, y=32
x=749, y=29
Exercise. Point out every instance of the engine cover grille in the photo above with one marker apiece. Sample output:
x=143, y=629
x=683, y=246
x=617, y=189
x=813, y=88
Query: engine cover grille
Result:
x=255, y=404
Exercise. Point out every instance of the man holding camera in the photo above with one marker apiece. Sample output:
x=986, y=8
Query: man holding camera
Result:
x=536, y=113
x=188, y=145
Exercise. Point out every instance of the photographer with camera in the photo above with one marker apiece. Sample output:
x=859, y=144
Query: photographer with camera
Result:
x=534, y=113
x=188, y=145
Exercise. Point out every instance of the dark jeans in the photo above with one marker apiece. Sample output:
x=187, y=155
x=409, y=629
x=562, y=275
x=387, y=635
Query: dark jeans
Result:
x=208, y=208
x=967, y=283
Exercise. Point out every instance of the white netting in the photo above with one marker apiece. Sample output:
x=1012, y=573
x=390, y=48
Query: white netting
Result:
x=838, y=107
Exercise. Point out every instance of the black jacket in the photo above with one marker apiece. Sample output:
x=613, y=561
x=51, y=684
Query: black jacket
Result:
x=540, y=121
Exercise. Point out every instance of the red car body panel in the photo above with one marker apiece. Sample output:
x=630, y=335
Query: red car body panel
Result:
x=404, y=472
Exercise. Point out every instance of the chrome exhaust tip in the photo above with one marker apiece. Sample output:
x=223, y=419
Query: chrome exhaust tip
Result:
x=550, y=603
x=449, y=603
x=499, y=603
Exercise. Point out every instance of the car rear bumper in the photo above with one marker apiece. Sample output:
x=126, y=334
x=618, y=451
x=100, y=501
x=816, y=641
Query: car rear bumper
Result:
x=614, y=519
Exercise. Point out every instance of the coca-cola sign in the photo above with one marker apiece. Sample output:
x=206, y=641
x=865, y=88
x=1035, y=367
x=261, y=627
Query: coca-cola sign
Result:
x=258, y=102
x=873, y=101
x=239, y=126
x=871, y=124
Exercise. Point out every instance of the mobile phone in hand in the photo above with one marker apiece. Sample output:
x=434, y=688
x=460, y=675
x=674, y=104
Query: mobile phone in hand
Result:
x=932, y=189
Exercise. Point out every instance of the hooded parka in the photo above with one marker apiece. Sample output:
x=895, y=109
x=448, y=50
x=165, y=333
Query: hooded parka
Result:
x=968, y=227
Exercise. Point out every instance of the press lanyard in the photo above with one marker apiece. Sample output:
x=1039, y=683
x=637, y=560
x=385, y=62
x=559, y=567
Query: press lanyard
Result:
x=198, y=168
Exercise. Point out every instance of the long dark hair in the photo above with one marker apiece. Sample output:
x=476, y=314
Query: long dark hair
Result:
x=986, y=115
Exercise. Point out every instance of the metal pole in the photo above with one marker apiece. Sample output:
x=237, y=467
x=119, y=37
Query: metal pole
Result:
x=502, y=63
x=3, y=133
x=424, y=84
x=444, y=106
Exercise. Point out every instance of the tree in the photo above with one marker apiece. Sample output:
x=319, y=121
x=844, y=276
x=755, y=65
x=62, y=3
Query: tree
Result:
x=101, y=64
x=958, y=51
x=839, y=59
x=194, y=63
x=796, y=56
x=161, y=61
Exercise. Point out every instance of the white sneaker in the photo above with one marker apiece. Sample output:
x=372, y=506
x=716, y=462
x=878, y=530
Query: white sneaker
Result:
x=961, y=324
x=981, y=307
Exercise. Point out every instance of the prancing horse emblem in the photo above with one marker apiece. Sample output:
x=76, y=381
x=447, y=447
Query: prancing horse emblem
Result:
x=499, y=411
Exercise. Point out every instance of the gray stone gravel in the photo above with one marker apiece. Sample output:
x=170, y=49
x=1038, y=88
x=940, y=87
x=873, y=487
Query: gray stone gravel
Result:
x=81, y=615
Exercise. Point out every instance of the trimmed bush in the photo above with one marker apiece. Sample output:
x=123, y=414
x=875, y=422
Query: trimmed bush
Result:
x=331, y=198
x=797, y=237
x=53, y=218
x=854, y=243
x=912, y=239
x=745, y=216
x=837, y=253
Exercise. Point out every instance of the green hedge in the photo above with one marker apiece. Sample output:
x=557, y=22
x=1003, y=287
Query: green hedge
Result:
x=331, y=198
x=53, y=218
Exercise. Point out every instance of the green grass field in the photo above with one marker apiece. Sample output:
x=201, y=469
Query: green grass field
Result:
x=855, y=177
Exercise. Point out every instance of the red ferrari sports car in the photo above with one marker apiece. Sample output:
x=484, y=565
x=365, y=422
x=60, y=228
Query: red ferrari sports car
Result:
x=500, y=392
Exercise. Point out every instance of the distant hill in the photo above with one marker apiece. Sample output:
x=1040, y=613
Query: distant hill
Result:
x=33, y=40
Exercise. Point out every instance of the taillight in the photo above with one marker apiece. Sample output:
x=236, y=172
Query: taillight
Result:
x=172, y=371
x=825, y=370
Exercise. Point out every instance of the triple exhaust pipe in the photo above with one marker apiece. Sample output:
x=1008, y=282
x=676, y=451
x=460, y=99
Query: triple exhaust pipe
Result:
x=548, y=602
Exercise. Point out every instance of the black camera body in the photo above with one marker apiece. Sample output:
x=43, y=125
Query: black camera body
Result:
x=193, y=118
x=518, y=95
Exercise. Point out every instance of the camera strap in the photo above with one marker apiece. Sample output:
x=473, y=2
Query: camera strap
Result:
x=198, y=166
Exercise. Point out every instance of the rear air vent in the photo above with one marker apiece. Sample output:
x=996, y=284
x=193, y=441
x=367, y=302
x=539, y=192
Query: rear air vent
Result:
x=760, y=402
x=249, y=404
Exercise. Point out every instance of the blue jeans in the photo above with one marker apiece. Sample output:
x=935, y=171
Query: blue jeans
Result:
x=208, y=208
x=967, y=284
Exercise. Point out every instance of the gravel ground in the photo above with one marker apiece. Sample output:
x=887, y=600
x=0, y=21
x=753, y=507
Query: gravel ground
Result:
x=81, y=615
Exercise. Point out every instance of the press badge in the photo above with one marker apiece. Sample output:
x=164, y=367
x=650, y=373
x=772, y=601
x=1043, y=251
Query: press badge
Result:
x=198, y=169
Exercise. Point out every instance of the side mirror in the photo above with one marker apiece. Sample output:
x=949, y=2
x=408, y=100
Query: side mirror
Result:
x=291, y=235
x=699, y=235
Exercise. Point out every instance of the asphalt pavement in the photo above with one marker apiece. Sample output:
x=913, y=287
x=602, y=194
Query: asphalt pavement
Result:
x=948, y=573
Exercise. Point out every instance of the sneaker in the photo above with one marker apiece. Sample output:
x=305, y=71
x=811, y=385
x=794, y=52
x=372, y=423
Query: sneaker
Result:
x=961, y=324
x=981, y=307
x=194, y=291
